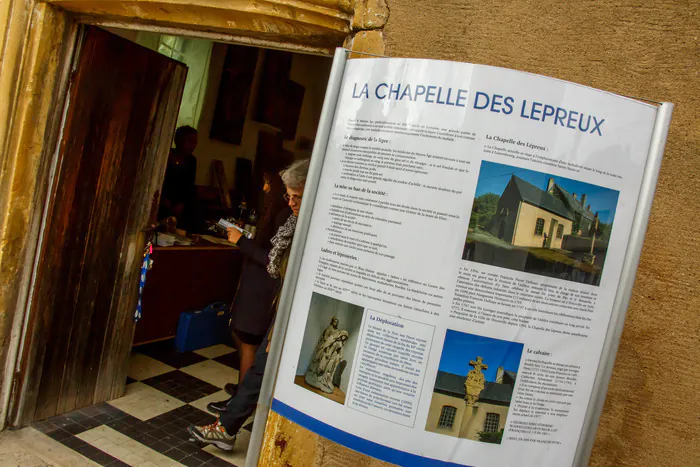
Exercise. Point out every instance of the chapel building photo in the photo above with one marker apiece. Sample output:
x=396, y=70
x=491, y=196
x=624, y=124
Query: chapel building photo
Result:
x=540, y=223
x=454, y=412
x=474, y=387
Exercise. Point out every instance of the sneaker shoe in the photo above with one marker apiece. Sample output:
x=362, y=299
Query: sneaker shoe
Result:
x=231, y=389
x=217, y=408
x=213, y=434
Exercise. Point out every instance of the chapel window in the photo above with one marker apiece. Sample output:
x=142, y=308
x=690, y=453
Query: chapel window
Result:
x=447, y=417
x=539, y=227
x=491, y=422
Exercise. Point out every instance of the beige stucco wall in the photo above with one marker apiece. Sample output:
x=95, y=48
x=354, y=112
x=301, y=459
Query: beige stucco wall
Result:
x=472, y=427
x=436, y=404
x=526, y=222
x=468, y=421
x=649, y=49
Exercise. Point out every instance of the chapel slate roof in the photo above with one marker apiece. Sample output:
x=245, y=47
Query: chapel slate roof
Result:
x=574, y=203
x=540, y=198
x=496, y=392
x=450, y=384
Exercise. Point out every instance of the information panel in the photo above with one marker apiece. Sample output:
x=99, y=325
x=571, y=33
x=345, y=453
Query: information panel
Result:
x=464, y=252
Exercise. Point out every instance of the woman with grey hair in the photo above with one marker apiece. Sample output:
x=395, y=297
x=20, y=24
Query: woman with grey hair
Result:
x=235, y=411
x=261, y=279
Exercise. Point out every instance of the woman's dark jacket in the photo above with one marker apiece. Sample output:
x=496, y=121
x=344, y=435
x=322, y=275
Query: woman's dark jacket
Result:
x=252, y=306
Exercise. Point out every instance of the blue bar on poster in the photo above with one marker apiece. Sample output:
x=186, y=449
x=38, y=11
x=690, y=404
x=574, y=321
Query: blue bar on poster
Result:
x=356, y=443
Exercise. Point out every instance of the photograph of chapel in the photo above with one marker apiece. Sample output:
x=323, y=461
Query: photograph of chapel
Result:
x=329, y=346
x=540, y=223
x=474, y=387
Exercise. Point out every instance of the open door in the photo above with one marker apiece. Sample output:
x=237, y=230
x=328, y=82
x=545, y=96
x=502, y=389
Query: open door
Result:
x=122, y=109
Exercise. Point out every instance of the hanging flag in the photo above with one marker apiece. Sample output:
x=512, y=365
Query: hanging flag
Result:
x=145, y=267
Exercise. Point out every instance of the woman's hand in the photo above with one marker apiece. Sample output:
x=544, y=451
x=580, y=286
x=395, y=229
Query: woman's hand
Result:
x=234, y=234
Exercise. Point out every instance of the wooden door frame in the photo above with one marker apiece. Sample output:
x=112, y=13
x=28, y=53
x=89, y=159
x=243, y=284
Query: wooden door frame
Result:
x=52, y=35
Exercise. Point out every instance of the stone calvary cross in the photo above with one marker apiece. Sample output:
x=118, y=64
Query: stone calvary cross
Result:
x=474, y=383
x=478, y=364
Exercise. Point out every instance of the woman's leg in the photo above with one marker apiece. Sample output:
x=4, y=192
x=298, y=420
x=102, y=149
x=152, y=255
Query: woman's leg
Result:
x=246, y=355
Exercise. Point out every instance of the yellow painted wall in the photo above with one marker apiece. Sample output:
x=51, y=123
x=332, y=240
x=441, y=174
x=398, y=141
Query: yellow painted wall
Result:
x=436, y=405
x=527, y=221
x=472, y=427
x=468, y=422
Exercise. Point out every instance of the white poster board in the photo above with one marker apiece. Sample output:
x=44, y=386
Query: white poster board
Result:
x=458, y=291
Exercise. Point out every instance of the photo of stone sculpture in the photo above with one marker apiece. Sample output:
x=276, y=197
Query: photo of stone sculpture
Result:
x=328, y=349
x=327, y=356
x=540, y=223
x=474, y=387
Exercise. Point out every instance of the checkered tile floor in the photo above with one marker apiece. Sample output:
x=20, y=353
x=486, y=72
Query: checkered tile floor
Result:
x=166, y=391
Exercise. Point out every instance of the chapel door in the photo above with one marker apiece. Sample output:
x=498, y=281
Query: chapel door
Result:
x=552, y=231
x=121, y=114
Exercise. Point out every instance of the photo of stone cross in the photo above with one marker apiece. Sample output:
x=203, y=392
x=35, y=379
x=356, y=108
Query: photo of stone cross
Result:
x=478, y=364
x=474, y=383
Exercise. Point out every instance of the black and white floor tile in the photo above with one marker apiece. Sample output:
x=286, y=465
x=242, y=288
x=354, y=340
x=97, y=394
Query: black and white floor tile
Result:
x=166, y=391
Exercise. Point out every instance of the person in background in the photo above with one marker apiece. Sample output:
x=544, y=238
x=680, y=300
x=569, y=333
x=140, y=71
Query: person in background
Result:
x=252, y=307
x=179, y=190
x=271, y=205
x=238, y=408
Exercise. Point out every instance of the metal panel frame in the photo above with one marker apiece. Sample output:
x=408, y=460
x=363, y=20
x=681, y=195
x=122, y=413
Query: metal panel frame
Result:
x=282, y=319
x=625, y=286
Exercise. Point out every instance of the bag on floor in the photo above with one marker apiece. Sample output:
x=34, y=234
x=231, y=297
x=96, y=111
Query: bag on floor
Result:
x=202, y=328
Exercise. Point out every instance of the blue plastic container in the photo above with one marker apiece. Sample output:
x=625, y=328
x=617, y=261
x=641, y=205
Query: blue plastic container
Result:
x=203, y=328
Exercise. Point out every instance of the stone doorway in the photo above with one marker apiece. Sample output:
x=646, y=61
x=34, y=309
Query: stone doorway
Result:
x=48, y=32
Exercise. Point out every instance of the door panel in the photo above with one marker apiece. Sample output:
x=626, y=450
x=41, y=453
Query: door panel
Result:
x=552, y=231
x=121, y=114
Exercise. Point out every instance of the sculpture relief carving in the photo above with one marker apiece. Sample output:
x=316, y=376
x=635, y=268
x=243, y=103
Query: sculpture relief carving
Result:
x=327, y=356
x=475, y=381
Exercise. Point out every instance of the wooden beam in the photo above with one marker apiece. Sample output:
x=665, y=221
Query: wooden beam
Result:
x=319, y=23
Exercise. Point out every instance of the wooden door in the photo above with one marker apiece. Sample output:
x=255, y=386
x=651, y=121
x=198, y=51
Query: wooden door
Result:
x=122, y=108
x=552, y=231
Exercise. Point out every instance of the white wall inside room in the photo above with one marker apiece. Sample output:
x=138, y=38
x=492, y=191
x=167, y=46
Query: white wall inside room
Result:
x=321, y=310
x=308, y=70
